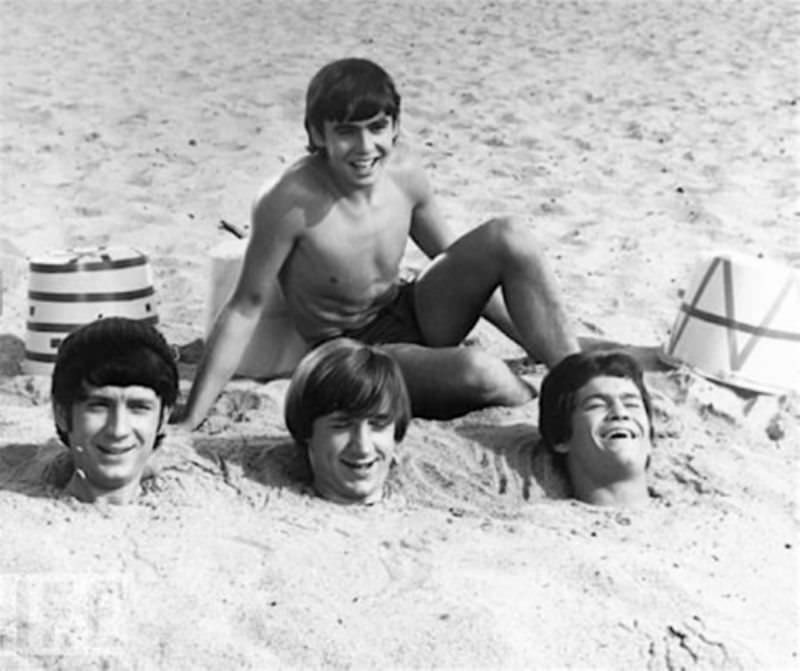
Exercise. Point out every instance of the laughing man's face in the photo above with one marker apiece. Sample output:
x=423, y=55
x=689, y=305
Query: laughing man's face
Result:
x=351, y=456
x=610, y=438
x=357, y=151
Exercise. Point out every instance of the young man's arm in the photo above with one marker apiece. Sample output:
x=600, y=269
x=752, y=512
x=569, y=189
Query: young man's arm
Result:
x=432, y=234
x=273, y=235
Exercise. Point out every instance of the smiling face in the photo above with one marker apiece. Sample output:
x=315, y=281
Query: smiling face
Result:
x=112, y=433
x=357, y=151
x=610, y=431
x=350, y=456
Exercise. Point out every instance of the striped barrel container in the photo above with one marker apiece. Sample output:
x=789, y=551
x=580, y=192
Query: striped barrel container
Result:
x=73, y=287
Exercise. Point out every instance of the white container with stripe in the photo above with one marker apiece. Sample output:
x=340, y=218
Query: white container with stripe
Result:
x=69, y=288
x=740, y=323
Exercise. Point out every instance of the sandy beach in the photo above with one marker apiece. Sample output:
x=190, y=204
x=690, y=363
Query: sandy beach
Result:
x=632, y=135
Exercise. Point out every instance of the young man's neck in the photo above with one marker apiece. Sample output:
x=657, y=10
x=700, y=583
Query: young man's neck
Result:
x=353, y=193
x=331, y=495
x=85, y=491
x=630, y=492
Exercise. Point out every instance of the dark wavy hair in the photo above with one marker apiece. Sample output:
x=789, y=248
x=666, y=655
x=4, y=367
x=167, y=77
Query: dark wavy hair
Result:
x=114, y=351
x=561, y=384
x=350, y=89
x=344, y=375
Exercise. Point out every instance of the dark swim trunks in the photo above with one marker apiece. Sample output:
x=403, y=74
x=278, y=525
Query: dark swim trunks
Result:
x=396, y=323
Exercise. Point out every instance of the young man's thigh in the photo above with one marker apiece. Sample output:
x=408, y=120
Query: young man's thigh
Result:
x=448, y=381
x=452, y=291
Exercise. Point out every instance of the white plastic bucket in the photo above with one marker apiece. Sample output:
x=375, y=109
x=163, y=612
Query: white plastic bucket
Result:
x=276, y=346
x=69, y=288
x=740, y=323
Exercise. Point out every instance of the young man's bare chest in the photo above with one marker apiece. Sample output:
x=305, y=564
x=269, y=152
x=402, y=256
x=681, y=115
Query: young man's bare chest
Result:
x=353, y=246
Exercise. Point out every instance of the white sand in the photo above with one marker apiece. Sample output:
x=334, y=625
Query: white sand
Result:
x=633, y=135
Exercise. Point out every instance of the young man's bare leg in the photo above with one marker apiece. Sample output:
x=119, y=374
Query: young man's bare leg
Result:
x=502, y=253
x=450, y=381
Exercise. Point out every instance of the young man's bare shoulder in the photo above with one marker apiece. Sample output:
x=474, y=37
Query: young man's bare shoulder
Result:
x=301, y=181
x=408, y=172
x=299, y=189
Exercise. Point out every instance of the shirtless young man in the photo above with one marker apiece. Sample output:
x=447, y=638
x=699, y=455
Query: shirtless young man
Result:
x=333, y=230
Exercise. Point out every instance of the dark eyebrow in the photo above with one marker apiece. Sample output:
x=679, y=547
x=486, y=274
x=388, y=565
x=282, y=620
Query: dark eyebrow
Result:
x=594, y=397
x=340, y=416
x=356, y=123
x=142, y=400
x=603, y=396
x=95, y=396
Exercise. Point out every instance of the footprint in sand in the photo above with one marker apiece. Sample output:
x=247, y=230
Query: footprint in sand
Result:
x=408, y=568
x=689, y=645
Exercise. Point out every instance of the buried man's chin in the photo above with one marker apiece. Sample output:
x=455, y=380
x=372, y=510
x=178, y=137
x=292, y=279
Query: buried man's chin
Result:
x=349, y=483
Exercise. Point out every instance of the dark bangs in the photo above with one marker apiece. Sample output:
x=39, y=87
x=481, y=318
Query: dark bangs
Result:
x=349, y=377
x=362, y=105
x=115, y=351
x=138, y=367
x=370, y=386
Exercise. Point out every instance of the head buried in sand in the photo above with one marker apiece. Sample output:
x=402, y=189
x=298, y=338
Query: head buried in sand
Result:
x=595, y=414
x=347, y=408
x=113, y=385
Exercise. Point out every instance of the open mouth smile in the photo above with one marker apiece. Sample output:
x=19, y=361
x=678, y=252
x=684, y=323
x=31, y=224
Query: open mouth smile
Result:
x=360, y=466
x=364, y=165
x=618, y=433
x=114, y=451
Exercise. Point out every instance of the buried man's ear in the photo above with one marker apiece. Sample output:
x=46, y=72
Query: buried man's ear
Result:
x=63, y=422
x=61, y=417
x=166, y=412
